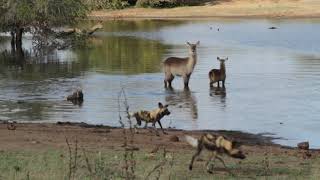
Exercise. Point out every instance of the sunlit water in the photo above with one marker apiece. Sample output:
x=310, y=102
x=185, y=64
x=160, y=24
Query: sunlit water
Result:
x=272, y=86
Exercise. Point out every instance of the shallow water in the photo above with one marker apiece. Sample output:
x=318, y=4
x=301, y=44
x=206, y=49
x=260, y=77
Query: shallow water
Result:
x=272, y=86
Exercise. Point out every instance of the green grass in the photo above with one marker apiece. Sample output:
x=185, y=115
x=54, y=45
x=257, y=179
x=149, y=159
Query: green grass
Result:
x=54, y=164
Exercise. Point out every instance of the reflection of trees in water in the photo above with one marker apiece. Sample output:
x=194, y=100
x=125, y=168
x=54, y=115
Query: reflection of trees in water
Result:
x=126, y=55
x=182, y=99
x=135, y=25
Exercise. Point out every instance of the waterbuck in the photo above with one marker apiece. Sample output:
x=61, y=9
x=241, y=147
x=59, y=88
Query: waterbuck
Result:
x=175, y=66
x=217, y=75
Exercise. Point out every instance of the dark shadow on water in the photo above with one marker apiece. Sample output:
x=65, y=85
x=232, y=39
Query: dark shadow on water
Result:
x=182, y=99
x=218, y=92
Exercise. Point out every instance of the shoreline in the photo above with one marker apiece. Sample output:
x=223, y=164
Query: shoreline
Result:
x=43, y=134
x=225, y=9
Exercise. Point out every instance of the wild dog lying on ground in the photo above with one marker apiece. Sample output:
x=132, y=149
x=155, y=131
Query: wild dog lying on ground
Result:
x=152, y=116
x=218, y=145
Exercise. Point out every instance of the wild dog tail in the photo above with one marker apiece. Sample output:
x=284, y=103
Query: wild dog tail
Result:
x=131, y=114
x=192, y=141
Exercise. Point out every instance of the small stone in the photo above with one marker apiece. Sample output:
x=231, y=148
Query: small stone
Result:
x=174, y=138
x=303, y=145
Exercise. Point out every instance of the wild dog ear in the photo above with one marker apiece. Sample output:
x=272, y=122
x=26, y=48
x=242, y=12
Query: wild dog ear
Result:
x=226, y=58
x=218, y=58
x=188, y=43
x=160, y=105
x=198, y=43
x=166, y=105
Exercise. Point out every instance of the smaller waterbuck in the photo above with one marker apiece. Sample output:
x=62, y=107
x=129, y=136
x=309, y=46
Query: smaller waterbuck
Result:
x=217, y=75
x=175, y=66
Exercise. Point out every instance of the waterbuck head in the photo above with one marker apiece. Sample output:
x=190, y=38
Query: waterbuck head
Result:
x=163, y=110
x=193, y=47
x=222, y=60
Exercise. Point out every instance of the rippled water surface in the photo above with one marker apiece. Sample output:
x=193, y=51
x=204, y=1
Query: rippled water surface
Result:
x=272, y=86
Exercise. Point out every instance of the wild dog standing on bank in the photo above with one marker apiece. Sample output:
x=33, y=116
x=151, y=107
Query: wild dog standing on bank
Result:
x=175, y=66
x=152, y=116
x=217, y=75
x=216, y=143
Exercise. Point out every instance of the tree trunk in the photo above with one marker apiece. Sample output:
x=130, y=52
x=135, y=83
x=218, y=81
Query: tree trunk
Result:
x=13, y=41
x=19, y=32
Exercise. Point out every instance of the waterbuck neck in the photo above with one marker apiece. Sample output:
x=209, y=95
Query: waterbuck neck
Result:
x=222, y=68
x=192, y=59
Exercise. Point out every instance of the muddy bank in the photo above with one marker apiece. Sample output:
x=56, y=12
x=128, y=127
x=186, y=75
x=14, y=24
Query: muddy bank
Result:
x=44, y=136
x=240, y=8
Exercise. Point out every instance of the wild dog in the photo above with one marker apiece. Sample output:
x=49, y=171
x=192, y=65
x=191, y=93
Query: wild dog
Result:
x=217, y=75
x=217, y=144
x=175, y=66
x=153, y=116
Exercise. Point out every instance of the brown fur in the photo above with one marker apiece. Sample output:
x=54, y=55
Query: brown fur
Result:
x=217, y=75
x=153, y=116
x=175, y=66
x=216, y=143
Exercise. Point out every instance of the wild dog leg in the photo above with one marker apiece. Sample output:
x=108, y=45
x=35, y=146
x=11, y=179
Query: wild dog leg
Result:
x=211, y=160
x=145, y=126
x=199, y=149
x=162, y=128
x=155, y=129
x=220, y=159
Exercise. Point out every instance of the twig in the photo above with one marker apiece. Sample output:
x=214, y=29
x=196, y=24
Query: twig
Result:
x=70, y=159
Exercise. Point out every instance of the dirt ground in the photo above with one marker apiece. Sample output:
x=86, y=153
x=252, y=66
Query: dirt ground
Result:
x=223, y=8
x=41, y=137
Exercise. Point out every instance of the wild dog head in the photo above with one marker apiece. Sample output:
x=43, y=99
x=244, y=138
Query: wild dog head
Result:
x=193, y=47
x=235, y=152
x=163, y=110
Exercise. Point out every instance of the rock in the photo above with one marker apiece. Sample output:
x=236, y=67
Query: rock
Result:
x=76, y=96
x=272, y=27
x=174, y=138
x=303, y=145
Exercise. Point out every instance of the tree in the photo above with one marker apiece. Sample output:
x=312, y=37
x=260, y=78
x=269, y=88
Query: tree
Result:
x=37, y=16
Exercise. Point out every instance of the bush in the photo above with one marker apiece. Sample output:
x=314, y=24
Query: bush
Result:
x=158, y=3
x=107, y=4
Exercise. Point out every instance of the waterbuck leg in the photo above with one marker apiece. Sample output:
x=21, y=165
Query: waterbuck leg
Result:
x=199, y=149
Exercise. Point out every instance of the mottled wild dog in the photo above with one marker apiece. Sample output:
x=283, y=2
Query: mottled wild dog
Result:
x=175, y=66
x=152, y=116
x=217, y=75
x=218, y=145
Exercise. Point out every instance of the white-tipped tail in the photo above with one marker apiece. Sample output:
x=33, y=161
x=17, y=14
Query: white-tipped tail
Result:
x=192, y=141
x=130, y=115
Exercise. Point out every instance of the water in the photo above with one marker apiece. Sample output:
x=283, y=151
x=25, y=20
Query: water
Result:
x=272, y=86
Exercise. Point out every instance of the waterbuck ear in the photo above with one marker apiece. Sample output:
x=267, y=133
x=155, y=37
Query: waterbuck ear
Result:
x=198, y=43
x=160, y=105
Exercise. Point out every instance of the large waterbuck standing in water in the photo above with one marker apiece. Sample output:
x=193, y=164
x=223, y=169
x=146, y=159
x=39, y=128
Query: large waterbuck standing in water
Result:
x=175, y=66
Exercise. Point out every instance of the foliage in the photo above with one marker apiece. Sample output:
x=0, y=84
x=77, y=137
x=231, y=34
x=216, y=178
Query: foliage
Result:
x=158, y=3
x=107, y=4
